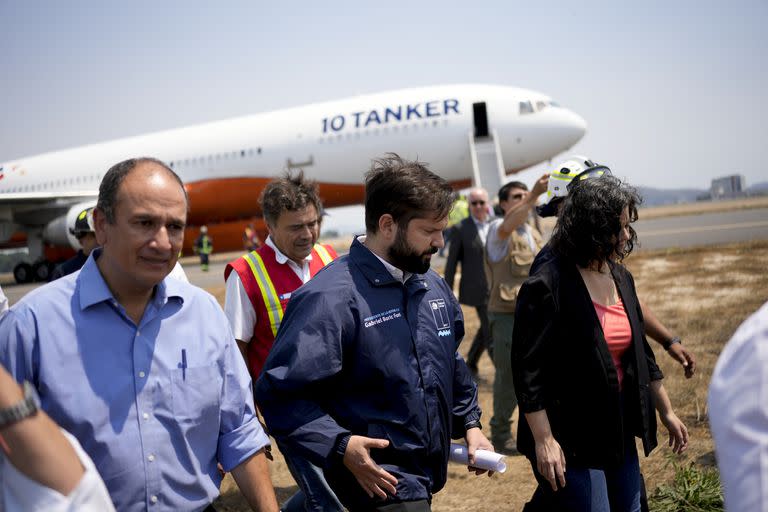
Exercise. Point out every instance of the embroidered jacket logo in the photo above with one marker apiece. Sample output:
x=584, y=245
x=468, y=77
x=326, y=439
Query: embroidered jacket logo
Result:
x=440, y=315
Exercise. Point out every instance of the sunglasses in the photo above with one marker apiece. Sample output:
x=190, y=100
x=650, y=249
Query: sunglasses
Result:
x=477, y=203
x=592, y=172
x=516, y=196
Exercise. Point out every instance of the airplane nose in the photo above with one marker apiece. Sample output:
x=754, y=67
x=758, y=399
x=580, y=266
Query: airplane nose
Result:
x=572, y=126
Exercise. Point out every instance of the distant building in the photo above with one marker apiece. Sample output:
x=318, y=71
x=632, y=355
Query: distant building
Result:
x=728, y=187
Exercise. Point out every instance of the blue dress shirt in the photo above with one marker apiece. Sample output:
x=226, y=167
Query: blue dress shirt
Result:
x=154, y=405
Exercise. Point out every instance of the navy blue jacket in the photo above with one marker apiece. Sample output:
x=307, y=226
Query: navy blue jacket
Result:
x=73, y=264
x=359, y=352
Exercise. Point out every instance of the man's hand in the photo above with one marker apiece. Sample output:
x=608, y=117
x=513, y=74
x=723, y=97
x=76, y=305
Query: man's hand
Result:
x=517, y=213
x=37, y=447
x=685, y=358
x=371, y=477
x=540, y=186
x=476, y=440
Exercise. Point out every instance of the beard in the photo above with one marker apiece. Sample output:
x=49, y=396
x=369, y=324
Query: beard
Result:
x=406, y=258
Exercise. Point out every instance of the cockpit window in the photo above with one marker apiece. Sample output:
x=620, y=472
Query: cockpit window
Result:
x=526, y=107
x=554, y=104
x=541, y=105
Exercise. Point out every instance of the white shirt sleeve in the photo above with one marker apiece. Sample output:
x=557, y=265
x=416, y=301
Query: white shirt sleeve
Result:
x=239, y=309
x=738, y=415
x=497, y=248
x=3, y=302
x=21, y=493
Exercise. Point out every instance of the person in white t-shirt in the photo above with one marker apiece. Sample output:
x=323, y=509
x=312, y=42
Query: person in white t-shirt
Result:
x=738, y=415
x=42, y=467
x=3, y=302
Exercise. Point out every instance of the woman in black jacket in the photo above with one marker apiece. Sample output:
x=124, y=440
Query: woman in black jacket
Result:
x=585, y=378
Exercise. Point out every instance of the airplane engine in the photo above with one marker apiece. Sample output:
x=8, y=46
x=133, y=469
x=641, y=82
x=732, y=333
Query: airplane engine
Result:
x=7, y=226
x=57, y=231
x=7, y=229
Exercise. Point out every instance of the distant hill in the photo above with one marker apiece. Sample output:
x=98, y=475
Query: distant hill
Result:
x=657, y=196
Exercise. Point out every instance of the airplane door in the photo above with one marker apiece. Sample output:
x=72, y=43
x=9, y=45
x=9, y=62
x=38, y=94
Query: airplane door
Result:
x=480, y=116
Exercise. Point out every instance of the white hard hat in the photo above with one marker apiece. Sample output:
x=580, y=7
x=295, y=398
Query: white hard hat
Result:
x=203, y=229
x=562, y=176
x=83, y=223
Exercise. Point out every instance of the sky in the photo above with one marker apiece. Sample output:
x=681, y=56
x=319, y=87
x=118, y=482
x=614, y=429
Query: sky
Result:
x=675, y=93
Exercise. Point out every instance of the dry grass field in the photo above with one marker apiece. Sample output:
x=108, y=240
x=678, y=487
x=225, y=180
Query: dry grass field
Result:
x=701, y=294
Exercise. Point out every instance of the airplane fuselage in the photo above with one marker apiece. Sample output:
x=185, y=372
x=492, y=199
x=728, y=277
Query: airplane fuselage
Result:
x=225, y=164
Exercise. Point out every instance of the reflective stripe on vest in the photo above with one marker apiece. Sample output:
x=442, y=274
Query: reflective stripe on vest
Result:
x=325, y=257
x=268, y=293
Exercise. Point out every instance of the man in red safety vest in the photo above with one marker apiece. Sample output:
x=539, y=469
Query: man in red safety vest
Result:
x=258, y=290
x=258, y=287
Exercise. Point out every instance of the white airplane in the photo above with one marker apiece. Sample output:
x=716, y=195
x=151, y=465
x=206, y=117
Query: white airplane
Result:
x=467, y=133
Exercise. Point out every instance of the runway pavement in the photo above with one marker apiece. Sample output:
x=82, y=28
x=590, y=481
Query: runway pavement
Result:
x=703, y=229
x=660, y=233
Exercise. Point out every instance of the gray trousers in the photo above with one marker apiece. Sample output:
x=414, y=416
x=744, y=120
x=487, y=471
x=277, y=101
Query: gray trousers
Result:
x=504, y=399
x=482, y=341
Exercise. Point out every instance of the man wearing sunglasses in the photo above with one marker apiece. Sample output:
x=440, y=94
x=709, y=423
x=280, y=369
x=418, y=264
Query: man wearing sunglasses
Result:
x=511, y=247
x=468, y=247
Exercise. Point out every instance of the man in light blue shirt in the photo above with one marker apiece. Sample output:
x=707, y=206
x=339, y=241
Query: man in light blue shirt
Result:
x=143, y=370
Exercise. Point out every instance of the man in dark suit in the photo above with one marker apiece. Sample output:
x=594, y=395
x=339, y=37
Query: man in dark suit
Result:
x=468, y=247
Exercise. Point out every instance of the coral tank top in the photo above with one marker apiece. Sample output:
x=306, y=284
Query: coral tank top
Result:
x=617, y=332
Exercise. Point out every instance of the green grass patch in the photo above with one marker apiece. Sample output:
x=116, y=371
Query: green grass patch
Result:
x=694, y=489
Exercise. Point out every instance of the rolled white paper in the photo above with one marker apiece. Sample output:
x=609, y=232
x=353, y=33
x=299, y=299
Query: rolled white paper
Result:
x=484, y=459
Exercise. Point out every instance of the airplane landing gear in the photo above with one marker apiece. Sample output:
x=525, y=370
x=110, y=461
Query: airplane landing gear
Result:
x=42, y=271
x=26, y=273
x=22, y=273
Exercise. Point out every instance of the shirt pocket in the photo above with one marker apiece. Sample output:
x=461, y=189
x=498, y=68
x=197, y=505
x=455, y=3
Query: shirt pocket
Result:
x=522, y=261
x=196, y=394
x=508, y=292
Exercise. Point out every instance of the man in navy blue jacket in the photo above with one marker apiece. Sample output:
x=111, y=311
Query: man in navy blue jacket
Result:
x=364, y=378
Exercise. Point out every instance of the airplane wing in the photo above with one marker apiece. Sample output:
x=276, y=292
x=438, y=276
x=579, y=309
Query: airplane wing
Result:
x=37, y=198
x=37, y=209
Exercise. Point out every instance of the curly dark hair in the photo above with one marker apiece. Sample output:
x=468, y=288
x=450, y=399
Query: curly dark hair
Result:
x=589, y=223
x=406, y=190
x=289, y=192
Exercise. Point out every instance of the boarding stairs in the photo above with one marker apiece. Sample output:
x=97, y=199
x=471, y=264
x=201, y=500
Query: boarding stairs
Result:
x=487, y=162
